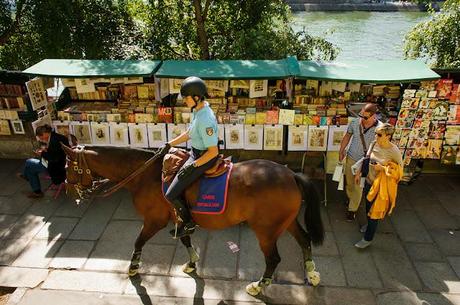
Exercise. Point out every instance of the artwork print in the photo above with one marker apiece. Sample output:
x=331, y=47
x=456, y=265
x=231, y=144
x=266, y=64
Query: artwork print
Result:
x=100, y=133
x=336, y=134
x=119, y=134
x=37, y=93
x=18, y=128
x=138, y=136
x=175, y=130
x=317, y=138
x=273, y=137
x=157, y=134
x=253, y=137
x=82, y=131
x=62, y=127
x=258, y=88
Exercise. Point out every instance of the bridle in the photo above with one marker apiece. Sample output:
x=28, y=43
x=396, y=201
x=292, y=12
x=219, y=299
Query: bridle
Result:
x=83, y=181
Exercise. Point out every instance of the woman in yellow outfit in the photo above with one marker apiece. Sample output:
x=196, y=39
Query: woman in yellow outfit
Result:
x=380, y=188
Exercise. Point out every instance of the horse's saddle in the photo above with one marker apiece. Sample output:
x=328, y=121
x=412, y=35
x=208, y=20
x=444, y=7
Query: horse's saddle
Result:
x=176, y=157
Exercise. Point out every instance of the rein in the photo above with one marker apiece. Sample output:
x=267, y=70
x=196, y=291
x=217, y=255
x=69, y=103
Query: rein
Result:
x=81, y=170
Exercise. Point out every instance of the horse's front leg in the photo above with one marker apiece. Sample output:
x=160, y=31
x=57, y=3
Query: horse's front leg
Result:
x=190, y=266
x=148, y=230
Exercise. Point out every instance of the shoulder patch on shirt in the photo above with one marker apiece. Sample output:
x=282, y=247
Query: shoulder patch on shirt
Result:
x=209, y=131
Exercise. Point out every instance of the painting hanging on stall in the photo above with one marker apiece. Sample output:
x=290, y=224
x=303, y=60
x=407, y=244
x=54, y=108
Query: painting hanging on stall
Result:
x=174, y=85
x=157, y=134
x=258, y=88
x=336, y=134
x=62, y=127
x=253, y=137
x=297, y=138
x=317, y=138
x=119, y=134
x=273, y=137
x=175, y=130
x=18, y=128
x=82, y=131
x=138, y=136
x=37, y=93
x=100, y=133
x=234, y=136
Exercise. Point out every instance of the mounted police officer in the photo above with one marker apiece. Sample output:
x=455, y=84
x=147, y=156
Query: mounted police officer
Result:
x=204, y=140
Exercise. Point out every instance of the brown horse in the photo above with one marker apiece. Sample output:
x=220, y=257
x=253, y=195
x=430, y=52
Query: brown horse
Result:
x=264, y=194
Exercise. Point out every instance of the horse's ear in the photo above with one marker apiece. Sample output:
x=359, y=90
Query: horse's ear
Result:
x=69, y=151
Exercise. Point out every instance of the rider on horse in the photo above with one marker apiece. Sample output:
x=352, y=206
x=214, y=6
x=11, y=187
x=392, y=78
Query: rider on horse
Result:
x=203, y=136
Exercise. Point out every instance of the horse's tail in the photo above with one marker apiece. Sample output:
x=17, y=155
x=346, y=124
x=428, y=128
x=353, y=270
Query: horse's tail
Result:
x=312, y=215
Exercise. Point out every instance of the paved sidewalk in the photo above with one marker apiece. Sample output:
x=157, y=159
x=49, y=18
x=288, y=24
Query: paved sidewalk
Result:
x=57, y=252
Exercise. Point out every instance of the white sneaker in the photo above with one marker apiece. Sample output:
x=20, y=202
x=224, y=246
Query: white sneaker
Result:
x=363, y=228
x=362, y=244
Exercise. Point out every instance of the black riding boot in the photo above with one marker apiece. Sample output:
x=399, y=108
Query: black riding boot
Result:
x=187, y=225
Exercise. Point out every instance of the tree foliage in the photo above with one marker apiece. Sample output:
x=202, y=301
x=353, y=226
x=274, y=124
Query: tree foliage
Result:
x=438, y=39
x=151, y=29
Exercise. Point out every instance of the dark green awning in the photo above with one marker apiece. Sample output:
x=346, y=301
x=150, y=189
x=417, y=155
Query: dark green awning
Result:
x=387, y=71
x=225, y=69
x=93, y=68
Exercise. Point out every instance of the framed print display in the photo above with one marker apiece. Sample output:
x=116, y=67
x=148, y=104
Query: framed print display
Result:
x=234, y=136
x=100, y=134
x=119, y=134
x=138, y=136
x=336, y=134
x=258, y=88
x=297, y=138
x=174, y=85
x=273, y=137
x=253, y=137
x=175, y=130
x=5, y=128
x=82, y=131
x=157, y=134
x=240, y=84
x=221, y=134
x=44, y=120
x=37, y=93
x=18, y=128
x=62, y=127
x=317, y=138
x=84, y=85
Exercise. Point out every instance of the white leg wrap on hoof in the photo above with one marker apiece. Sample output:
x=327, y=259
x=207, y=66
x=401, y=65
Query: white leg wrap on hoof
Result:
x=187, y=268
x=310, y=266
x=313, y=278
x=253, y=288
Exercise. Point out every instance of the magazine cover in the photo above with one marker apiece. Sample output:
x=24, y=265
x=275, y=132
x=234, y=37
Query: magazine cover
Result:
x=444, y=87
x=434, y=149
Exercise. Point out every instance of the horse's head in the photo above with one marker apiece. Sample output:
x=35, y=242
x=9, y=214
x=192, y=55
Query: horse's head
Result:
x=79, y=174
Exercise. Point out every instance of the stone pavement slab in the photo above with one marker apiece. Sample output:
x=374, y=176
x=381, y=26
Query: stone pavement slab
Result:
x=72, y=255
x=328, y=248
x=6, y=222
x=22, y=277
x=448, y=241
x=438, y=277
x=69, y=208
x=10, y=249
x=290, y=269
x=57, y=228
x=359, y=266
x=424, y=252
x=411, y=298
x=38, y=253
x=126, y=209
x=251, y=264
x=331, y=270
x=434, y=216
x=157, y=259
x=392, y=262
x=15, y=205
x=409, y=227
x=86, y=281
x=181, y=257
x=454, y=262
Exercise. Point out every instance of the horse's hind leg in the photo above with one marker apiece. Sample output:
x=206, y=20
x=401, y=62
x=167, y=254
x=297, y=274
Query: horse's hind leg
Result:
x=193, y=255
x=148, y=230
x=267, y=244
x=304, y=241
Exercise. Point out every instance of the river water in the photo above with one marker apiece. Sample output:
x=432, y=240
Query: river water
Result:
x=361, y=35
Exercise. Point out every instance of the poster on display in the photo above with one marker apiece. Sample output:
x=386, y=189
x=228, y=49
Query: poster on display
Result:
x=336, y=134
x=221, y=134
x=234, y=136
x=220, y=85
x=157, y=134
x=113, y=117
x=37, y=93
x=175, y=130
x=273, y=137
x=258, y=88
x=44, y=120
x=297, y=138
x=174, y=85
x=5, y=128
x=84, y=85
x=62, y=127
x=239, y=84
x=286, y=117
x=164, y=87
x=18, y=128
x=138, y=136
x=317, y=138
x=100, y=133
x=253, y=137
x=119, y=134
x=82, y=131
x=63, y=116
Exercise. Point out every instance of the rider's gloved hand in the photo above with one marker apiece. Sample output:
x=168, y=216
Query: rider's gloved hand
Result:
x=163, y=150
x=186, y=171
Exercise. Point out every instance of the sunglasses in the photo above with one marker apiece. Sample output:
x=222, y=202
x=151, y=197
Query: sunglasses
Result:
x=364, y=117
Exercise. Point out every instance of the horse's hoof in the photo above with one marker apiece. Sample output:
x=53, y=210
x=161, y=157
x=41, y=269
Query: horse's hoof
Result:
x=313, y=278
x=133, y=271
x=188, y=268
x=253, y=289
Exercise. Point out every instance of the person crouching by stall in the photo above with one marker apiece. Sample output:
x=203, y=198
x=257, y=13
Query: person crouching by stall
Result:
x=385, y=168
x=50, y=158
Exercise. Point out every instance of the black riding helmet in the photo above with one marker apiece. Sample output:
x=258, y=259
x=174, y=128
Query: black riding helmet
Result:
x=193, y=86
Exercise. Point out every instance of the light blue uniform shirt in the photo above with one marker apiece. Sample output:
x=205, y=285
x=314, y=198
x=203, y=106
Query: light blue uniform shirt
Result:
x=203, y=128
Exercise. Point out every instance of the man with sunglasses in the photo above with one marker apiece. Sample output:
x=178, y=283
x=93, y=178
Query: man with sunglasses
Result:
x=361, y=132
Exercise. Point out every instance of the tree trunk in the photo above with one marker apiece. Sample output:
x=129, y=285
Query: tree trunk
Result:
x=200, y=18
